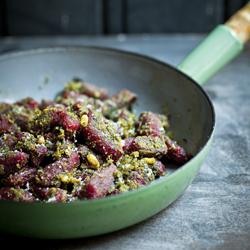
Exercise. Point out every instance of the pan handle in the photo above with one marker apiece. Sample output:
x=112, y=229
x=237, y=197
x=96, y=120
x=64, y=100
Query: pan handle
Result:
x=218, y=48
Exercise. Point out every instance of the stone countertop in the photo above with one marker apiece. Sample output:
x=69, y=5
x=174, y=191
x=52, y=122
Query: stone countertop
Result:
x=214, y=211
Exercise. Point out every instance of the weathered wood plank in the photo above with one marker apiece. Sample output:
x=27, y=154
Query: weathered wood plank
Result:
x=76, y=17
x=173, y=16
x=114, y=16
x=54, y=17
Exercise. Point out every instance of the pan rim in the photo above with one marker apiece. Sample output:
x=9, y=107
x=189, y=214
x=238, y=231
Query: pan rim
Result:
x=19, y=53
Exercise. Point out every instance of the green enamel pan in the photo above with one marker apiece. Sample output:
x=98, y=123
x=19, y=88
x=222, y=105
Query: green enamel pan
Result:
x=192, y=122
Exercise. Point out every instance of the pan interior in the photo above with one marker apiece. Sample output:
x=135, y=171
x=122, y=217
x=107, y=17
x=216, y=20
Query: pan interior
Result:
x=42, y=74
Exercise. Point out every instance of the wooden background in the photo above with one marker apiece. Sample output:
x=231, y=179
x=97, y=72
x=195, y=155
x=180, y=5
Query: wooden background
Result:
x=80, y=17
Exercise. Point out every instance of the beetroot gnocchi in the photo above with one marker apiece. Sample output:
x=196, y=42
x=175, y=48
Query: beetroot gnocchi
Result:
x=84, y=145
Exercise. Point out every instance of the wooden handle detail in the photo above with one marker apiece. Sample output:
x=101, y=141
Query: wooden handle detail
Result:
x=240, y=23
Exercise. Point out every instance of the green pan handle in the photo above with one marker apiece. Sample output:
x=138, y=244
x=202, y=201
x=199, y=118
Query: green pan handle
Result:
x=215, y=51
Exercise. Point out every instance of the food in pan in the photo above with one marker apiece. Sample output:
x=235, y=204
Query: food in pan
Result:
x=84, y=145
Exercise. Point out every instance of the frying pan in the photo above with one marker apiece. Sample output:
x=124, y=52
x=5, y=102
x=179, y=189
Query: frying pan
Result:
x=192, y=122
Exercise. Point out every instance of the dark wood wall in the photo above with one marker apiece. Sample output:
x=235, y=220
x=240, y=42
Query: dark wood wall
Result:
x=74, y=17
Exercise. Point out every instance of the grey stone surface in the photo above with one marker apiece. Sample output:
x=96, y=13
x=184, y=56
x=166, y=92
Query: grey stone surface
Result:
x=214, y=211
